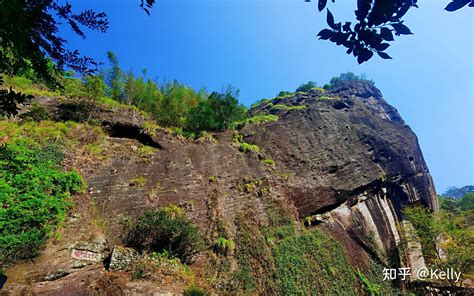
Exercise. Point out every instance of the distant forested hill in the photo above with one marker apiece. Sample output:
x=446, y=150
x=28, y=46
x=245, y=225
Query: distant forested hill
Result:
x=456, y=192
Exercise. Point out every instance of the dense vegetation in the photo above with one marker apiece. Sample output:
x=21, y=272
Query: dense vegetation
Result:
x=34, y=189
x=34, y=196
x=312, y=85
x=348, y=76
x=452, y=228
x=455, y=192
x=283, y=259
x=313, y=251
x=170, y=104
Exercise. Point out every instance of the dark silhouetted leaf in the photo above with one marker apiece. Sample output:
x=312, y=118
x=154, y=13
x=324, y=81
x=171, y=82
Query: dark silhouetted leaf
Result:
x=363, y=8
x=340, y=38
x=457, y=4
x=364, y=55
x=386, y=34
x=325, y=34
x=383, y=46
x=347, y=27
x=322, y=4
x=372, y=32
x=401, y=29
x=330, y=20
x=384, y=55
x=403, y=10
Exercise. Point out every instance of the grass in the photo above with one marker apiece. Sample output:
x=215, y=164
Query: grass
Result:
x=34, y=197
x=138, y=181
x=248, y=148
x=68, y=133
x=254, y=258
x=328, y=98
x=243, y=146
x=146, y=151
x=268, y=162
x=286, y=96
x=195, y=291
x=288, y=108
x=262, y=101
x=297, y=107
x=279, y=107
x=205, y=136
x=372, y=288
x=257, y=119
x=224, y=246
x=312, y=264
x=150, y=127
x=27, y=86
x=320, y=89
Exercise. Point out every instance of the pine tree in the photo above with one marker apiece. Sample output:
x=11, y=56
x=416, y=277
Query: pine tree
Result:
x=115, y=77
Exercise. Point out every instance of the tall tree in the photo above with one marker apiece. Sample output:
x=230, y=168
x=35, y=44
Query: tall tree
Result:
x=29, y=39
x=115, y=79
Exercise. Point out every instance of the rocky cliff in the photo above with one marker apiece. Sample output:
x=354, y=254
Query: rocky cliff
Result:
x=343, y=163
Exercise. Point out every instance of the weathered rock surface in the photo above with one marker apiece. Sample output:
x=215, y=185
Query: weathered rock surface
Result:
x=341, y=147
x=347, y=161
x=123, y=259
x=354, y=157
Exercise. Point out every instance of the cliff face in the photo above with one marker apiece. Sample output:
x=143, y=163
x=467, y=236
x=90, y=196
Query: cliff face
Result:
x=355, y=160
x=346, y=142
x=345, y=162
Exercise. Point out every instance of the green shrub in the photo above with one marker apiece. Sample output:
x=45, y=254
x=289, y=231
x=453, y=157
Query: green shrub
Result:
x=237, y=137
x=146, y=151
x=268, y=162
x=216, y=113
x=372, y=288
x=348, y=76
x=328, y=98
x=248, y=148
x=297, y=107
x=320, y=89
x=288, y=108
x=285, y=94
x=257, y=119
x=28, y=86
x=165, y=230
x=138, y=181
x=224, y=246
x=34, y=197
x=195, y=291
x=36, y=113
x=137, y=274
x=279, y=107
x=305, y=87
x=262, y=101
x=206, y=137
x=94, y=87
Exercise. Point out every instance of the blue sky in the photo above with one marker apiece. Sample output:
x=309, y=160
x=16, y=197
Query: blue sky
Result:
x=264, y=46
